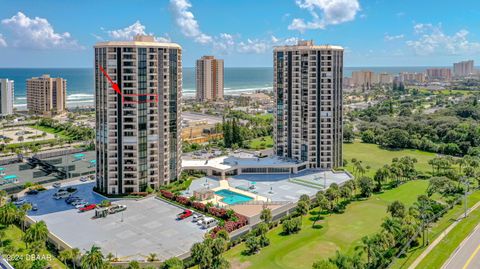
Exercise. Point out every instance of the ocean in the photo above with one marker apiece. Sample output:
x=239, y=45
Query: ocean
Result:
x=237, y=80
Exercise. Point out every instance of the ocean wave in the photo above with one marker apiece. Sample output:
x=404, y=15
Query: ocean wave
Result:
x=80, y=96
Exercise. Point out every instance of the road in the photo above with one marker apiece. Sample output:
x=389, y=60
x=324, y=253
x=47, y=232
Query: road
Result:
x=467, y=256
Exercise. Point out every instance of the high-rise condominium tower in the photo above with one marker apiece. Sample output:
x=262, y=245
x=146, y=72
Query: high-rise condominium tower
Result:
x=209, y=79
x=6, y=97
x=46, y=96
x=308, y=95
x=138, y=131
x=463, y=69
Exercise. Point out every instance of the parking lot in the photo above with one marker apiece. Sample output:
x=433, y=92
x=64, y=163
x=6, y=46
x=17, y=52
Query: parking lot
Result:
x=147, y=226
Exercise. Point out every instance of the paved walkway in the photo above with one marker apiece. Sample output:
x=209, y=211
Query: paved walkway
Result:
x=440, y=237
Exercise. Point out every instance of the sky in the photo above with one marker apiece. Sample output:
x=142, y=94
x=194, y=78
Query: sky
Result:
x=62, y=33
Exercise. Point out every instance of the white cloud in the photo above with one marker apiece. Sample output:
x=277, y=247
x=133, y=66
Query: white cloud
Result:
x=393, y=37
x=432, y=40
x=187, y=22
x=331, y=12
x=3, y=43
x=37, y=33
x=129, y=32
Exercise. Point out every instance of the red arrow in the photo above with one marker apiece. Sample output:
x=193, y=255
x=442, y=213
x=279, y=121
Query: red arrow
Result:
x=114, y=85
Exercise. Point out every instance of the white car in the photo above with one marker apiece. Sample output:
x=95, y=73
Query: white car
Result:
x=57, y=185
x=197, y=217
x=81, y=204
x=20, y=202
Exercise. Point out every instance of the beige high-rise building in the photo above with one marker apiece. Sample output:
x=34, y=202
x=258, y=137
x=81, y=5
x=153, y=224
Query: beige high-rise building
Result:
x=385, y=78
x=439, y=74
x=209, y=76
x=364, y=79
x=309, y=103
x=463, y=69
x=46, y=95
x=138, y=142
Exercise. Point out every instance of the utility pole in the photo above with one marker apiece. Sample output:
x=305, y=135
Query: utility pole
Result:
x=465, y=181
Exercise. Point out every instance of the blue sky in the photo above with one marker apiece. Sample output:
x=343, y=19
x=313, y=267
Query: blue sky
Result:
x=52, y=33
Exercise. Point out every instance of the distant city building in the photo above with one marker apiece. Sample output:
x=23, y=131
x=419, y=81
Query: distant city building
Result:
x=439, y=74
x=46, y=95
x=364, y=79
x=138, y=142
x=209, y=77
x=463, y=69
x=308, y=104
x=6, y=97
x=347, y=82
x=385, y=78
x=412, y=78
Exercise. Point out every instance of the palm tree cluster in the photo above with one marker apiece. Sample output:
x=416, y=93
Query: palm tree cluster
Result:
x=399, y=231
x=74, y=132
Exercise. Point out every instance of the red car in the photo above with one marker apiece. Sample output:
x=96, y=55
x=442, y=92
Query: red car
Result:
x=185, y=214
x=87, y=208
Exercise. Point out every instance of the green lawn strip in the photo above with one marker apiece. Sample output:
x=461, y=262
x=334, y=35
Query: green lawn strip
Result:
x=439, y=255
x=436, y=229
x=13, y=236
x=50, y=130
x=255, y=143
x=337, y=232
x=28, y=144
x=375, y=157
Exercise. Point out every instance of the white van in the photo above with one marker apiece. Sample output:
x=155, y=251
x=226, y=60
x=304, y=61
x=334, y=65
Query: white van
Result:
x=209, y=223
x=61, y=194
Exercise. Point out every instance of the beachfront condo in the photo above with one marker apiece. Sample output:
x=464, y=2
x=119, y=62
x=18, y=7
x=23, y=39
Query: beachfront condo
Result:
x=46, y=96
x=6, y=97
x=308, y=97
x=138, y=141
x=209, y=78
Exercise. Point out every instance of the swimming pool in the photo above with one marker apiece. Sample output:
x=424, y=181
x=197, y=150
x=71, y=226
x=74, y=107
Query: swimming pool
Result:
x=232, y=198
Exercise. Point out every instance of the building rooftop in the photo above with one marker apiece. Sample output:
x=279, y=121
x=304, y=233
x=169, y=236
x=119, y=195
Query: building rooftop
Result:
x=241, y=159
x=139, y=41
x=308, y=44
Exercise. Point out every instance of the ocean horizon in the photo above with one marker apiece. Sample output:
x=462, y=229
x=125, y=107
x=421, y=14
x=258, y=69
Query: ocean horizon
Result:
x=80, y=83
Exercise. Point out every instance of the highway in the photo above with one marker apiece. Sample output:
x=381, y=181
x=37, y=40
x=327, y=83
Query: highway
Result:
x=467, y=255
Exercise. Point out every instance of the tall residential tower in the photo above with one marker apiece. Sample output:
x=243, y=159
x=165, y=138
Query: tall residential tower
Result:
x=209, y=75
x=46, y=95
x=308, y=95
x=6, y=97
x=138, y=131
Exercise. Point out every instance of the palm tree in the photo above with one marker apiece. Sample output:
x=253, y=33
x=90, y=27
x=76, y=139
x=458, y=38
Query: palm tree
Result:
x=152, y=257
x=64, y=256
x=37, y=232
x=93, y=258
x=75, y=256
x=3, y=196
x=8, y=214
x=110, y=257
x=22, y=213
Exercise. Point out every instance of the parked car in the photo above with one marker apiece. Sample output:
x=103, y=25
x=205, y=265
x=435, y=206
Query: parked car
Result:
x=209, y=222
x=78, y=202
x=116, y=208
x=83, y=179
x=34, y=207
x=31, y=192
x=81, y=204
x=19, y=201
x=87, y=208
x=57, y=185
x=185, y=214
x=72, y=199
x=61, y=193
x=197, y=217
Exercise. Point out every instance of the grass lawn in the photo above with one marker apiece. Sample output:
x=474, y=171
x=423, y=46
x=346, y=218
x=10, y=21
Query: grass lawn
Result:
x=261, y=142
x=442, y=251
x=375, y=157
x=50, y=130
x=13, y=236
x=335, y=232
